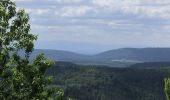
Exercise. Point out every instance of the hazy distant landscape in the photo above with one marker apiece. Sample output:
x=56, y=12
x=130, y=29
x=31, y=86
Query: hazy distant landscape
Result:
x=124, y=56
x=121, y=74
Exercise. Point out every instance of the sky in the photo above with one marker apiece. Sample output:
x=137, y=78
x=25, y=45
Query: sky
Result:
x=92, y=26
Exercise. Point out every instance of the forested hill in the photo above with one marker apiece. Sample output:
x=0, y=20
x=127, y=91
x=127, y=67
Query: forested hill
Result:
x=151, y=65
x=104, y=83
x=127, y=55
x=137, y=54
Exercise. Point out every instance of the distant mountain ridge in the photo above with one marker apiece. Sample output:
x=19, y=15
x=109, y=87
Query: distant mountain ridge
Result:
x=117, y=55
x=59, y=55
x=137, y=54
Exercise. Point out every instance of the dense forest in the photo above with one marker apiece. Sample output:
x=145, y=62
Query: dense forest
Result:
x=84, y=82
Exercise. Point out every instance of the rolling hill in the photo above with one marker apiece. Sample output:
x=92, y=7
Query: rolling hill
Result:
x=137, y=54
x=123, y=57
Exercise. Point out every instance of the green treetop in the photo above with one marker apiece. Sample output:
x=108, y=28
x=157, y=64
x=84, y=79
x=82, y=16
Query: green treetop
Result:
x=20, y=79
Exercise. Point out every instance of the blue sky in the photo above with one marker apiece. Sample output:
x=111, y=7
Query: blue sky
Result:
x=91, y=26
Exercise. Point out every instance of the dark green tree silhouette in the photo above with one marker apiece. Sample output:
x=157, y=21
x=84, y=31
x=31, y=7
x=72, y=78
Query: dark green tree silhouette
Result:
x=21, y=79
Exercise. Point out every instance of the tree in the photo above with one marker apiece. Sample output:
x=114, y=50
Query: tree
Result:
x=167, y=88
x=21, y=79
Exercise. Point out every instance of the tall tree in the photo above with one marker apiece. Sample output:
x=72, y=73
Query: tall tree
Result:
x=19, y=78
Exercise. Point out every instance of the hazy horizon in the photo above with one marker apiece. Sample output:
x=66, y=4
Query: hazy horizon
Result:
x=93, y=26
x=94, y=51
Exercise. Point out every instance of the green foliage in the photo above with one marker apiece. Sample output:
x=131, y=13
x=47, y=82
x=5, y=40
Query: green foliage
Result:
x=167, y=88
x=86, y=82
x=20, y=79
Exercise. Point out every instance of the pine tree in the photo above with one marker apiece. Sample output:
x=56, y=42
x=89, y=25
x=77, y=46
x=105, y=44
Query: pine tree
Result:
x=21, y=79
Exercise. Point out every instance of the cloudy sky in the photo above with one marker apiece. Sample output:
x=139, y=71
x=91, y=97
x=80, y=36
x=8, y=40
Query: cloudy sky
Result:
x=91, y=26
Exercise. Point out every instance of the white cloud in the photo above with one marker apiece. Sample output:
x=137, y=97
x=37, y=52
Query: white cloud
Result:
x=151, y=8
x=23, y=0
x=38, y=12
x=106, y=22
x=54, y=1
x=68, y=1
x=72, y=11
